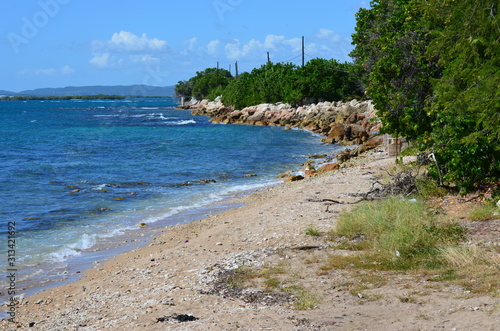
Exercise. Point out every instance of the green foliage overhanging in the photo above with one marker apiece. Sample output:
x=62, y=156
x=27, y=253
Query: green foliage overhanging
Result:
x=433, y=72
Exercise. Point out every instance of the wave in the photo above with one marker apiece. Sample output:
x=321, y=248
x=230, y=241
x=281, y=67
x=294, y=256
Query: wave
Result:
x=183, y=122
x=70, y=250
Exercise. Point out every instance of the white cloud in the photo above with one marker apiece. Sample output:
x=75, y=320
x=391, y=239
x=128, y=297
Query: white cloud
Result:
x=329, y=35
x=66, y=70
x=190, y=43
x=279, y=45
x=146, y=59
x=127, y=48
x=213, y=46
x=101, y=60
x=127, y=42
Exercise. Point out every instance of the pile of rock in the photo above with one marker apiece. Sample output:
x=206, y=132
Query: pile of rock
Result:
x=352, y=122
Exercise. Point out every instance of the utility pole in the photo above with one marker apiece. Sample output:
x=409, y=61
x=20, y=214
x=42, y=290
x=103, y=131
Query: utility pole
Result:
x=303, y=51
x=236, y=68
x=268, y=58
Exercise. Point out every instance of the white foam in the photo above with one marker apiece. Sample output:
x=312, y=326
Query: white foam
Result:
x=86, y=241
x=99, y=187
x=184, y=122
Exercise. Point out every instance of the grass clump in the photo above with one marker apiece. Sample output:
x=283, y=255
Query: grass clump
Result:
x=404, y=234
x=310, y=231
x=484, y=212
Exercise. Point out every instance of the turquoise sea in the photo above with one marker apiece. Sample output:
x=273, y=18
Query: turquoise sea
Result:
x=79, y=177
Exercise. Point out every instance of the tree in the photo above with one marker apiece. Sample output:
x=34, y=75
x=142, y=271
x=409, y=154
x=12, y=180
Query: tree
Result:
x=204, y=84
x=466, y=99
x=390, y=55
x=271, y=83
x=208, y=80
x=184, y=88
x=328, y=80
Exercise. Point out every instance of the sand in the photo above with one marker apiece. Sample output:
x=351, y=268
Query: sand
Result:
x=181, y=273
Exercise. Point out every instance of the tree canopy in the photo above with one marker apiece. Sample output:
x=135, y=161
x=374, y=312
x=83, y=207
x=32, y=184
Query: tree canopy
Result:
x=432, y=70
x=318, y=80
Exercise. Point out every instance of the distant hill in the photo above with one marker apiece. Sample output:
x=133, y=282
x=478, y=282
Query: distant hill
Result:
x=2, y=92
x=132, y=90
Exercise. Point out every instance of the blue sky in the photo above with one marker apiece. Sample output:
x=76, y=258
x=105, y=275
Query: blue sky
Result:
x=57, y=43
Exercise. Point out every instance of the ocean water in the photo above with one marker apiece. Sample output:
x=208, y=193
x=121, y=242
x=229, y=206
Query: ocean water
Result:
x=80, y=176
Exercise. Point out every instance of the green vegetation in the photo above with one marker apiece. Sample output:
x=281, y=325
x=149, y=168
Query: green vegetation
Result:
x=207, y=84
x=75, y=97
x=318, y=80
x=432, y=69
x=404, y=233
x=310, y=231
x=484, y=212
x=401, y=234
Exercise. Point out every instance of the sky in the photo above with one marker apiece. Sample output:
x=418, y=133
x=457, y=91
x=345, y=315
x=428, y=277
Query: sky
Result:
x=58, y=43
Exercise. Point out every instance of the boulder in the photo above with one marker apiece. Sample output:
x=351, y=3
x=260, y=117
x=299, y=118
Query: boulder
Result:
x=235, y=114
x=329, y=167
x=293, y=178
x=311, y=173
x=285, y=174
x=257, y=116
x=357, y=131
x=336, y=132
x=354, y=118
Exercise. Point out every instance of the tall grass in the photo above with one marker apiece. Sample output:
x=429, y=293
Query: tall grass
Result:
x=405, y=233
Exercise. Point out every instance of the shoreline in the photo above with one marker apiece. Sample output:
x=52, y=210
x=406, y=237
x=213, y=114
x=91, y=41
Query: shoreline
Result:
x=178, y=274
x=72, y=269
x=60, y=272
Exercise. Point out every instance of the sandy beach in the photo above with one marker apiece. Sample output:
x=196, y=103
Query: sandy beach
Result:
x=186, y=278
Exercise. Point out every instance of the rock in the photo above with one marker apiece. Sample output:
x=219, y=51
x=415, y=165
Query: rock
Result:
x=312, y=127
x=318, y=156
x=235, y=114
x=357, y=131
x=311, y=173
x=258, y=116
x=354, y=118
x=337, y=132
x=250, y=175
x=285, y=174
x=202, y=104
x=206, y=181
x=309, y=165
x=329, y=167
x=293, y=178
x=371, y=143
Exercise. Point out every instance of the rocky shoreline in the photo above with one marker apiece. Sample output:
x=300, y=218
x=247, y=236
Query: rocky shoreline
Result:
x=347, y=123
